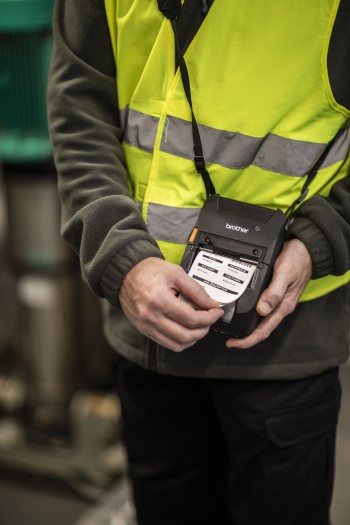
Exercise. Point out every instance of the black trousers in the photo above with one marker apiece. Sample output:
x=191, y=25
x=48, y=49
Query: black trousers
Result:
x=227, y=452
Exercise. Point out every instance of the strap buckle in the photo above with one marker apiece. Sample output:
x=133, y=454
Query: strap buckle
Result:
x=200, y=164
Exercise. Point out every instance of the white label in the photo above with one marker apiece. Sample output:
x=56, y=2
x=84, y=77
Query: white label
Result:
x=223, y=278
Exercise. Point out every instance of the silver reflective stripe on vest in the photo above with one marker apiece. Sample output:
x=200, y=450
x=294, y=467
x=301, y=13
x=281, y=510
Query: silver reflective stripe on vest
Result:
x=140, y=129
x=161, y=220
x=340, y=149
x=238, y=151
x=230, y=149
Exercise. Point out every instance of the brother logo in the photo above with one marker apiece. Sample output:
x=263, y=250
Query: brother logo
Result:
x=236, y=228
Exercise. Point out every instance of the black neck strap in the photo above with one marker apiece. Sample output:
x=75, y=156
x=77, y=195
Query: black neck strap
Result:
x=172, y=10
x=310, y=177
x=189, y=13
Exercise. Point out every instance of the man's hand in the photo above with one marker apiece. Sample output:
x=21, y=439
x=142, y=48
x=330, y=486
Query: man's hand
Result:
x=148, y=296
x=292, y=271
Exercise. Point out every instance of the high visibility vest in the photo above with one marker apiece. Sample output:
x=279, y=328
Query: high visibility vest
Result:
x=262, y=99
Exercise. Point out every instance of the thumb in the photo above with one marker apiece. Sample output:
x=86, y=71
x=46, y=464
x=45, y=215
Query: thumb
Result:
x=273, y=295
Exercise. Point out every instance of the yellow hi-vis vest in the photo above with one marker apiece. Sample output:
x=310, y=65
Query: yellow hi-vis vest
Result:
x=262, y=99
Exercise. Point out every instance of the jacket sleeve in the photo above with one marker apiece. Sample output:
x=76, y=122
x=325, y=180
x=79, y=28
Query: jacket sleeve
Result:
x=100, y=219
x=323, y=225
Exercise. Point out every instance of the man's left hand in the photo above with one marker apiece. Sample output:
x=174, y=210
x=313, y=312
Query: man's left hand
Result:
x=292, y=271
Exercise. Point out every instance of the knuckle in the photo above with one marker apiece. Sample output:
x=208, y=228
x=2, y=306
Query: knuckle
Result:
x=180, y=347
x=264, y=334
x=200, y=290
x=176, y=348
x=188, y=338
x=191, y=323
x=152, y=301
x=276, y=296
x=289, y=306
x=144, y=314
x=185, y=338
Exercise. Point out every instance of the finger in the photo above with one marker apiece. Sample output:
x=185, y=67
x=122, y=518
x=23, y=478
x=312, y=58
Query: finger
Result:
x=292, y=270
x=169, y=305
x=274, y=294
x=180, y=339
x=173, y=336
x=172, y=322
x=182, y=322
x=267, y=325
x=262, y=332
x=185, y=314
x=196, y=293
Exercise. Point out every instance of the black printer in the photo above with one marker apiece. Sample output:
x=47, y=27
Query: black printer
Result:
x=238, y=230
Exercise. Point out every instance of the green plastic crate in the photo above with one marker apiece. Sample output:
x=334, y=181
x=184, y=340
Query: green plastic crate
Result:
x=25, y=50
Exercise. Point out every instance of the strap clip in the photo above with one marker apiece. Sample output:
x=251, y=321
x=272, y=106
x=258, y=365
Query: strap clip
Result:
x=200, y=164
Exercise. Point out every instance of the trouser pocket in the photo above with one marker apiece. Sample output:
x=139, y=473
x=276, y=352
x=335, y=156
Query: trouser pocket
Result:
x=299, y=461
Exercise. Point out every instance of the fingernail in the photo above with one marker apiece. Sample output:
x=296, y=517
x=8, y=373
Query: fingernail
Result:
x=264, y=308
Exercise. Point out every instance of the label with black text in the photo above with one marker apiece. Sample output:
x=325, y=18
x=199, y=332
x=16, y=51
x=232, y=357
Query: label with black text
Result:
x=224, y=278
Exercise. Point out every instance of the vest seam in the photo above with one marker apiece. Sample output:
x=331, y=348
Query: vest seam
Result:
x=160, y=129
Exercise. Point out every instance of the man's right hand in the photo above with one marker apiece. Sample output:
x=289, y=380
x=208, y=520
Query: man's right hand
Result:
x=149, y=298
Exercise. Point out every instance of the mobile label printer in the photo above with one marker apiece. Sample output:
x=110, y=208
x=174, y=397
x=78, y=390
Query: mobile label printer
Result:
x=232, y=251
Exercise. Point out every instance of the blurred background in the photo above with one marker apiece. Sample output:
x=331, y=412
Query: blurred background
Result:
x=61, y=451
x=62, y=459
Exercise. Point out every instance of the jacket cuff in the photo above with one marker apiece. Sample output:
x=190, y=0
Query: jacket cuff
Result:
x=317, y=245
x=117, y=268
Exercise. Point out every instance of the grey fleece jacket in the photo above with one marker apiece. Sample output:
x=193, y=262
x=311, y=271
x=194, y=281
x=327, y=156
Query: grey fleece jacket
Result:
x=103, y=224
